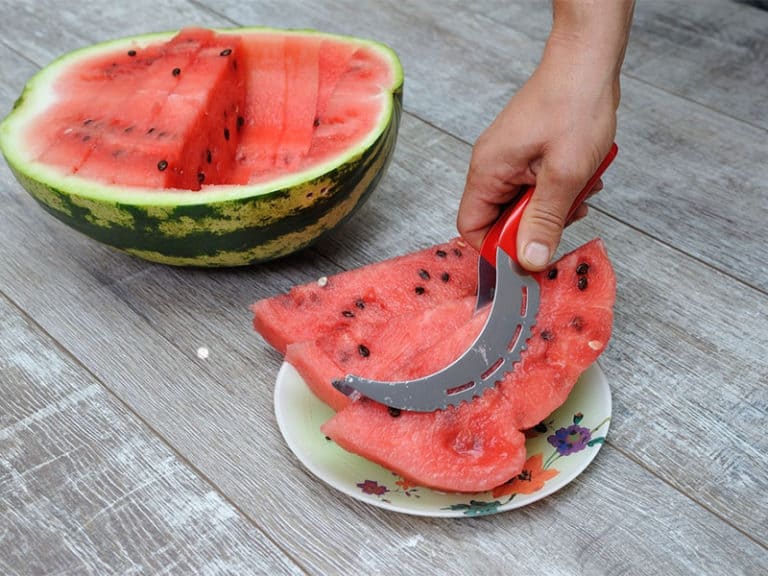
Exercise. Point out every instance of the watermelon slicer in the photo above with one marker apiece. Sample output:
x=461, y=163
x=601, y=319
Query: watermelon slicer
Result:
x=498, y=346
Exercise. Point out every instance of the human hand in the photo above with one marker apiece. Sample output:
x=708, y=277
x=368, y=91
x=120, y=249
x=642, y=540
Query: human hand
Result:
x=553, y=134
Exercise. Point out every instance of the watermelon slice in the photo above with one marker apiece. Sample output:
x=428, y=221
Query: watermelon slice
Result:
x=478, y=445
x=371, y=296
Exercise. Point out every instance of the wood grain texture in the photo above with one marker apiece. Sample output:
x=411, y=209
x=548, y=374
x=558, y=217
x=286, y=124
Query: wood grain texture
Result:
x=679, y=488
x=711, y=52
x=86, y=488
x=218, y=414
x=463, y=64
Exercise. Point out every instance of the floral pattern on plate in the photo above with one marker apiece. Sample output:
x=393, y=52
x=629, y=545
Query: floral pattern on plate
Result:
x=534, y=475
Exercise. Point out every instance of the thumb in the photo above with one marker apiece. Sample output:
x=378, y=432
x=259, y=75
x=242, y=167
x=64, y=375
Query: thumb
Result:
x=542, y=223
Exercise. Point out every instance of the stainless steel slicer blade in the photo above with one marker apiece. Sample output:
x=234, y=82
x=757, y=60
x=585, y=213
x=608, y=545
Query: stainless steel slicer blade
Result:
x=491, y=355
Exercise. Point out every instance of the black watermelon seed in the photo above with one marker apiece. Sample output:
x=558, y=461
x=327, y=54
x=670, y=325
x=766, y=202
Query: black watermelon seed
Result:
x=131, y=53
x=394, y=412
x=86, y=138
x=578, y=323
x=348, y=314
x=201, y=177
x=89, y=121
x=316, y=123
x=424, y=274
x=176, y=71
x=328, y=438
x=546, y=335
x=552, y=274
x=582, y=269
x=445, y=276
x=360, y=303
x=128, y=130
x=150, y=131
x=208, y=156
x=240, y=122
x=162, y=165
x=225, y=52
x=363, y=350
x=226, y=133
x=441, y=253
x=162, y=134
x=582, y=283
x=419, y=290
x=457, y=252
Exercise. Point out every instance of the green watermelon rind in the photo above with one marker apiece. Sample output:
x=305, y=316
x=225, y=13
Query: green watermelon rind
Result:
x=222, y=225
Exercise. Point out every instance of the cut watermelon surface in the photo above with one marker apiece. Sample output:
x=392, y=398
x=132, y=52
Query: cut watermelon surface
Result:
x=208, y=147
x=371, y=296
x=212, y=108
x=475, y=446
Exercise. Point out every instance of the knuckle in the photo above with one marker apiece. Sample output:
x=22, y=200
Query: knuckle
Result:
x=546, y=217
x=564, y=176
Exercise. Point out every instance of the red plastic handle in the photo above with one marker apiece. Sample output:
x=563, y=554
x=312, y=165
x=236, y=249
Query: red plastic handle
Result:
x=504, y=232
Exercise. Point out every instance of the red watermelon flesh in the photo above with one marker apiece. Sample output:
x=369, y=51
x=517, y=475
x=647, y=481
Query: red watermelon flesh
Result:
x=334, y=60
x=159, y=112
x=302, y=68
x=478, y=445
x=266, y=85
x=158, y=119
x=351, y=348
x=372, y=295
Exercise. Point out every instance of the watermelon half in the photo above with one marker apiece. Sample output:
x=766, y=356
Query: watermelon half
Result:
x=418, y=322
x=208, y=148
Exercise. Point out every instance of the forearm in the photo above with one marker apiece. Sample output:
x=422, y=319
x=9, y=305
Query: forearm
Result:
x=588, y=39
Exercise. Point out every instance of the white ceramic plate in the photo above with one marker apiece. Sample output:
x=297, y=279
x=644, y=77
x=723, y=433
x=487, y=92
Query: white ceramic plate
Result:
x=559, y=449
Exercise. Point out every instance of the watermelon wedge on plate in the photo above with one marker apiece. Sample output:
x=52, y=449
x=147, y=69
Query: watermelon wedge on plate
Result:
x=208, y=148
x=476, y=446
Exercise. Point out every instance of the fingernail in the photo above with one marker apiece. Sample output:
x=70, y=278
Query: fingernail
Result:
x=536, y=254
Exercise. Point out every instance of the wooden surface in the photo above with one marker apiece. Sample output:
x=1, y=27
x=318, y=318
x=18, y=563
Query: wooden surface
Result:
x=123, y=452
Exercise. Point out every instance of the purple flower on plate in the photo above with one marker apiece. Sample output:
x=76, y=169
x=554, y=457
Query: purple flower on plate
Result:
x=572, y=439
x=372, y=487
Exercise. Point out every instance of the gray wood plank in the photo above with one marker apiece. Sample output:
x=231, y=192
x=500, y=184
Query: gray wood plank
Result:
x=711, y=52
x=86, y=488
x=679, y=487
x=45, y=29
x=463, y=64
x=218, y=412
